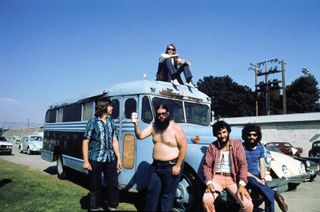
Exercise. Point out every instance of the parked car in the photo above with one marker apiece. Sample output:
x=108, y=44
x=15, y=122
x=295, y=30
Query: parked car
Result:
x=284, y=166
x=5, y=146
x=286, y=148
x=312, y=167
x=31, y=144
x=315, y=149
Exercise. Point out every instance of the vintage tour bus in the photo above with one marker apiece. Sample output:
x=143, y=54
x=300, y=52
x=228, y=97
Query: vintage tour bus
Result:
x=65, y=124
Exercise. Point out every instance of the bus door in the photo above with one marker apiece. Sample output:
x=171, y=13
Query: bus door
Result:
x=123, y=106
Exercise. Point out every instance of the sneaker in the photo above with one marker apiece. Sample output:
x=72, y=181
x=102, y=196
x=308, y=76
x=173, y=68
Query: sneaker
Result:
x=175, y=82
x=109, y=208
x=189, y=84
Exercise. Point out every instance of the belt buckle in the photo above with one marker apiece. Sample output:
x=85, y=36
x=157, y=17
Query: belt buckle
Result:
x=172, y=162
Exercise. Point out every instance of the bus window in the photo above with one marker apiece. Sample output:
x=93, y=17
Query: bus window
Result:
x=60, y=115
x=175, y=108
x=116, y=108
x=51, y=116
x=87, y=113
x=72, y=113
x=197, y=113
x=146, y=110
x=130, y=107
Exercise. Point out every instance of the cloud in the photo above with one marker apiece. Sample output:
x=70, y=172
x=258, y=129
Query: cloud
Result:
x=9, y=101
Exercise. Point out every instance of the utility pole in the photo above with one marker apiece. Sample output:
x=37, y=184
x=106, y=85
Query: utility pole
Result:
x=267, y=85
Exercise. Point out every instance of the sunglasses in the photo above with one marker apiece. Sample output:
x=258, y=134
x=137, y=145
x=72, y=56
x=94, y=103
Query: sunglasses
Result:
x=162, y=114
x=253, y=134
x=171, y=49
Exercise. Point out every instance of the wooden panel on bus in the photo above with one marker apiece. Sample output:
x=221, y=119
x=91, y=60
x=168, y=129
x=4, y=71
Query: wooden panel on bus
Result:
x=128, y=154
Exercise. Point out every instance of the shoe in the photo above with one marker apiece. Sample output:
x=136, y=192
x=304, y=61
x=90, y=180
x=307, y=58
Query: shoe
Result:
x=175, y=82
x=280, y=200
x=111, y=208
x=189, y=84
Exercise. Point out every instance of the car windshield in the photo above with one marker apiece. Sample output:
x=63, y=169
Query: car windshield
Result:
x=273, y=148
x=2, y=138
x=35, y=138
x=195, y=113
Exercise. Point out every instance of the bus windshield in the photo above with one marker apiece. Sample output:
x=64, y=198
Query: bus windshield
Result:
x=195, y=113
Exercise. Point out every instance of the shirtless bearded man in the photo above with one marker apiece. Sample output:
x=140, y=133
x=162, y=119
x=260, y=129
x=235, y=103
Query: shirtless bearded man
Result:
x=168, y=155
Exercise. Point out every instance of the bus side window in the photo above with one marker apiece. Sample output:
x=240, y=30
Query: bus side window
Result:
x=146, y=110
x=130, y=107
x=115, y=112
x=51, y=116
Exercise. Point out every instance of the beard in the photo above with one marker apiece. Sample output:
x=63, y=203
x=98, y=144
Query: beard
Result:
x=222, y=143
x=162, y=125
x=251, y=145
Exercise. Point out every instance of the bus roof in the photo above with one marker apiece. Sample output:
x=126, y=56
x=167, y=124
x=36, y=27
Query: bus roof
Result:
x=143, y=87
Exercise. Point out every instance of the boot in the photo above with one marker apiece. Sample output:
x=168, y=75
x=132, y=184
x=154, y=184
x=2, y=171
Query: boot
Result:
x=280, y=200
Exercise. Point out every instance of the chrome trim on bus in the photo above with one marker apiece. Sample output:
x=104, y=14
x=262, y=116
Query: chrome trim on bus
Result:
x=74, y=163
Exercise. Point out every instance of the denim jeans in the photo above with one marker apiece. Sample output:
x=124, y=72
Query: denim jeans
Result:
x=174, y=73
x=267, y=193
x=162, y=186
x=109, y=170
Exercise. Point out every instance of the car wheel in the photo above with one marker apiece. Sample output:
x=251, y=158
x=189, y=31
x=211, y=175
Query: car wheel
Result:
x=60, y=168
x=20, y=148
x=188, y=195
x=29, y=151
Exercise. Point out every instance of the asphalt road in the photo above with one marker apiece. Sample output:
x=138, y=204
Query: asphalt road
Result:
x=305, y=198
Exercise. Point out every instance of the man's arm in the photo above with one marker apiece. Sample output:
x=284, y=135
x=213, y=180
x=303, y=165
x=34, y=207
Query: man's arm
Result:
x=85, y=154
x=116, y=149
x=141, y=134
x=262, y=171
x=180, y=137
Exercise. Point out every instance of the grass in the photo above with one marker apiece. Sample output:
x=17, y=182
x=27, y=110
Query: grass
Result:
x=23, y=189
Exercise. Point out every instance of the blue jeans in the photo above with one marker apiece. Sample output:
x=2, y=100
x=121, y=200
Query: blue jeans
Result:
x=174, y=73
x=109, y=170
x=266, y=192
x=162, y=186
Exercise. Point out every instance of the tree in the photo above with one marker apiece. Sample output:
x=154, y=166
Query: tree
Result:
x=303, y=95
x=229, y=99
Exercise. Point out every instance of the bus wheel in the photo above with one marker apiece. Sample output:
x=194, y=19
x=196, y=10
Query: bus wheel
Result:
x=188, y=197
x=60, y=169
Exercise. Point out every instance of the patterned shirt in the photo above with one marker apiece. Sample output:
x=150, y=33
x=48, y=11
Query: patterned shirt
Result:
x=100, y=137
x=253, y=158
x=239, y=167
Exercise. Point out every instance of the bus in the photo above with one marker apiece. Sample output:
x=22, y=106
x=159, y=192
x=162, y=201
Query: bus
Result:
x=65, y=124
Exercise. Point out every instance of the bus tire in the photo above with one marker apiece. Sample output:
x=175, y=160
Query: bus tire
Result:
x=188, y=194
x=60, y=168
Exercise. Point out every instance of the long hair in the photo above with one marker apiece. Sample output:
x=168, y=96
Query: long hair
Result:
x=219, y=125
x=172, y=45
x=101, y=107
x=250, y=127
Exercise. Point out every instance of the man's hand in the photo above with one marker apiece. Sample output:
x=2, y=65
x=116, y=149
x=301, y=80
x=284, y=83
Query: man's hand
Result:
x=242, y=192
x=119, y=165
x=210, y=188
x=87, y=166
x=176, y=170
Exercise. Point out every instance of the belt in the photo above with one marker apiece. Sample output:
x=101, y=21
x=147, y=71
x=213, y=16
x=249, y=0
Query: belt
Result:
x=224, y=174
x=174, y=161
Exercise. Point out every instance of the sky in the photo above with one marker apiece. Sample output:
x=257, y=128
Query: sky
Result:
x=53, y=50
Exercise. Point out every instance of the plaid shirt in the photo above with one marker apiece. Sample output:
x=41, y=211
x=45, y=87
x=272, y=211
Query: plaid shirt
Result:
x=239, y=166
x=100, y=137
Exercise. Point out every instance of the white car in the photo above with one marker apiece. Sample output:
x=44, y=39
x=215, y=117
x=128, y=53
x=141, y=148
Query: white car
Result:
x=5, y=146
x=31, y=144
x=286, y=167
